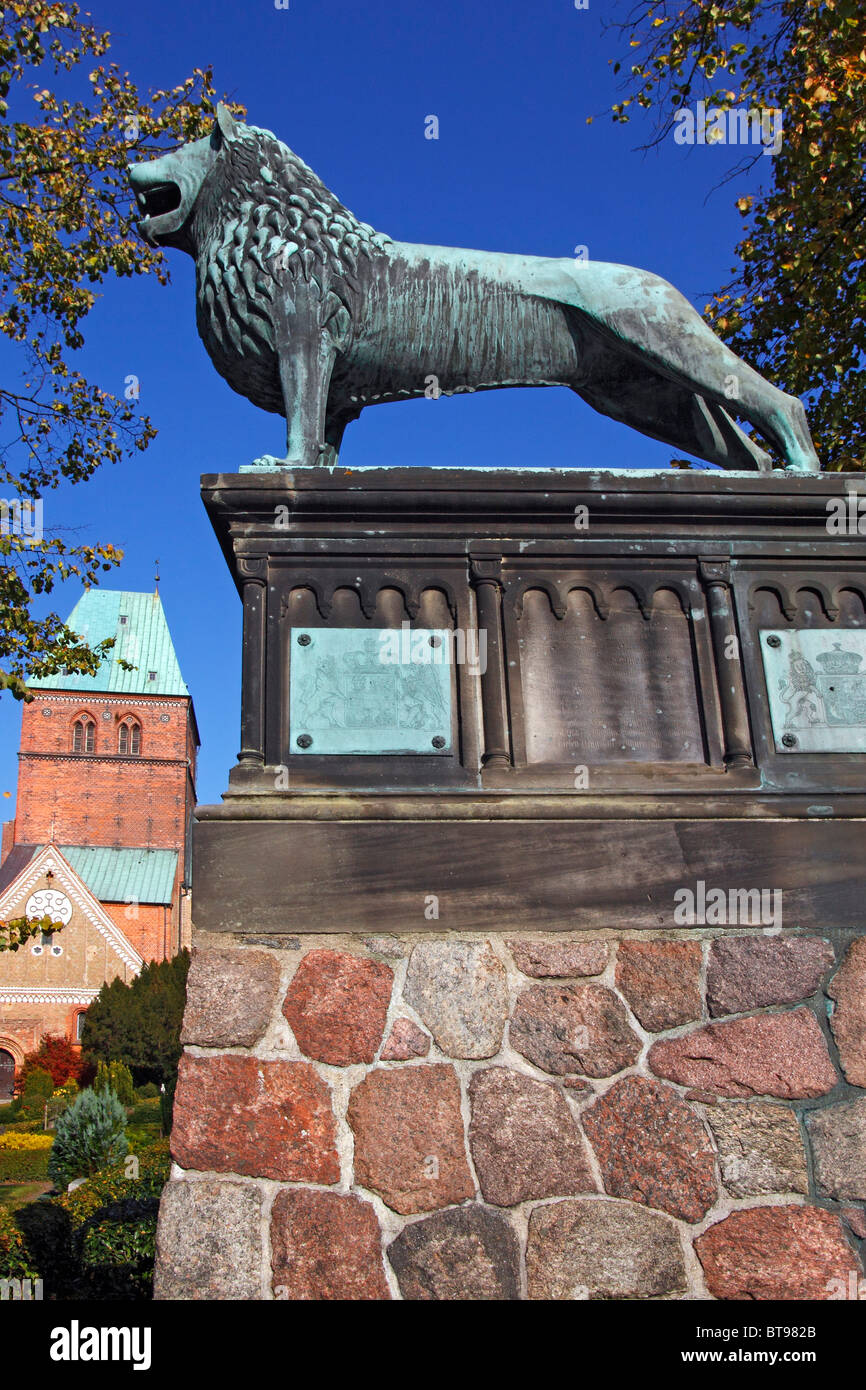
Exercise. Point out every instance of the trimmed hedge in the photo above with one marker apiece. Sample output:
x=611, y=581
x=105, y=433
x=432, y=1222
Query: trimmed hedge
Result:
x=24, y=1165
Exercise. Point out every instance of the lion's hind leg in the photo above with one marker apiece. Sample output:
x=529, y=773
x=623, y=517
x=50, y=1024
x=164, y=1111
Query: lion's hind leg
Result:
x=628, y=391
x=638, y=313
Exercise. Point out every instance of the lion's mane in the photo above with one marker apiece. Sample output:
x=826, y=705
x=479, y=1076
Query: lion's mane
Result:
x=263, y=223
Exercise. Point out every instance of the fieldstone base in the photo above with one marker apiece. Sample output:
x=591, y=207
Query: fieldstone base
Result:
x=604, y=1116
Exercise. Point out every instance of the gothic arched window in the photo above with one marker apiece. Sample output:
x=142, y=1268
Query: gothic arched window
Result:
x=129, y=738
x=83, y=734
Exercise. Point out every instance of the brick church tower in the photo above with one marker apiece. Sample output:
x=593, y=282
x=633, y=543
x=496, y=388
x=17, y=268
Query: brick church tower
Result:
x=101, y=835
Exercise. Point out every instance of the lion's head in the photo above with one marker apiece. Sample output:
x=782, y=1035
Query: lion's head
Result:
x=243, y=170
x=253, y=216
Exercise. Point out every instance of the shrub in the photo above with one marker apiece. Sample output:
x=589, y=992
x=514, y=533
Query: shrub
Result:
x=38, y=1083
x=55, y=1055
x=149, y=1091
x=24, y=1165
x=38, y=1090
x=112, y=1185
x=111, y=1224
x=89, y=1136
x=24, y=1157
x=98, y=1241
x=145, y=1113
x=143, y=1139
x=118, y=1235
x=15, y=1260
x=9, y=1113
x=114, y=1076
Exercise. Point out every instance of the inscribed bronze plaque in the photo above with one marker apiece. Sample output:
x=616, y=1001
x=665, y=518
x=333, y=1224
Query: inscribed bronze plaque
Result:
x=370, y=690
x=618, y=689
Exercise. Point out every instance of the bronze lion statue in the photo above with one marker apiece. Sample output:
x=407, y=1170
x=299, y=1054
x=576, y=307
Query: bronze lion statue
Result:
x=313, y=315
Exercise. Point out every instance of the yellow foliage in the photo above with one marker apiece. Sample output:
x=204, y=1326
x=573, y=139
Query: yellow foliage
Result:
x=26, y=1141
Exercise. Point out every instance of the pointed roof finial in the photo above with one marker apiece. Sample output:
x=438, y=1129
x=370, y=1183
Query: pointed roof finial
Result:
x=156, y=577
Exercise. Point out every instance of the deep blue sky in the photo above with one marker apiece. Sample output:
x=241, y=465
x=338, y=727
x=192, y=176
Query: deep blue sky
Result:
x=516, y=168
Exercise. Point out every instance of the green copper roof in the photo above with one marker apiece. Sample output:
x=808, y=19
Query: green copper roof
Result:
x=124, y=875
x=138, y=624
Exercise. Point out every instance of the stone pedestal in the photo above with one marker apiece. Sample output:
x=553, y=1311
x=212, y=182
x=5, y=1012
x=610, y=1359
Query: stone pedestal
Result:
x=605, y=1116
x=569, y=1003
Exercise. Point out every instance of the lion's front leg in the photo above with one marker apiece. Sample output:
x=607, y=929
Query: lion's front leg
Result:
x=306, y=360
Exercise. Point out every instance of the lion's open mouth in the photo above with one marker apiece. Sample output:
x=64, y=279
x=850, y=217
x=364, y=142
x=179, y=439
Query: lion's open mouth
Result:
x=158, y=200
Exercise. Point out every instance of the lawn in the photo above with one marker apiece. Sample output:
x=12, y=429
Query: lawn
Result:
x=15, y=1195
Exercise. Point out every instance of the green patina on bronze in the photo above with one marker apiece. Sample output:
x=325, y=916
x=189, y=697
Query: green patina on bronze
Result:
x=313, y=315
x=370, y=690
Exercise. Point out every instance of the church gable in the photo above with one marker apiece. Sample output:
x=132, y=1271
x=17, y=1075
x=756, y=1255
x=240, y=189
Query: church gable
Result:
x=89, y=950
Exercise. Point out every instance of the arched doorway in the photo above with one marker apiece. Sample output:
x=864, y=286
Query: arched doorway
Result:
x=7, y=1074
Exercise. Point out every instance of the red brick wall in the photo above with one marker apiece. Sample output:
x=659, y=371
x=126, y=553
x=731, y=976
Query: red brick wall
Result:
x=151, y=928
x=102, y=798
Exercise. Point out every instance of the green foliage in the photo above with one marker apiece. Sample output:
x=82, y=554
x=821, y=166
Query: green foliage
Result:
x=89, y=1136
x=139, y=1023
x=149, y=1091
x=24, y=1165
x=111, y=1184
x=9, y=1113
x=146, y=1113
x=143, y=1138
x=15, y=1260
x=114, y=1076
x=38, y=1090
x=795, y=306
x=98, y=1241
x=124, y=1236
x=16, y=930
x=39, y=1083
x=54, y=1055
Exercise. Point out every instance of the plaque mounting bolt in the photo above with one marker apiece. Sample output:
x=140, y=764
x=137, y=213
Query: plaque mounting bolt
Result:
x=789, y=740
x=304, y=740
x=438, y=741
x=774, y=641
x=304, y=640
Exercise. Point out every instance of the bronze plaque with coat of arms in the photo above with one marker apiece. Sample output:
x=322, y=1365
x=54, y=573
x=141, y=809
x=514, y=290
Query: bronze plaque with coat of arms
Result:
x=363, y=690
x=816, y=682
